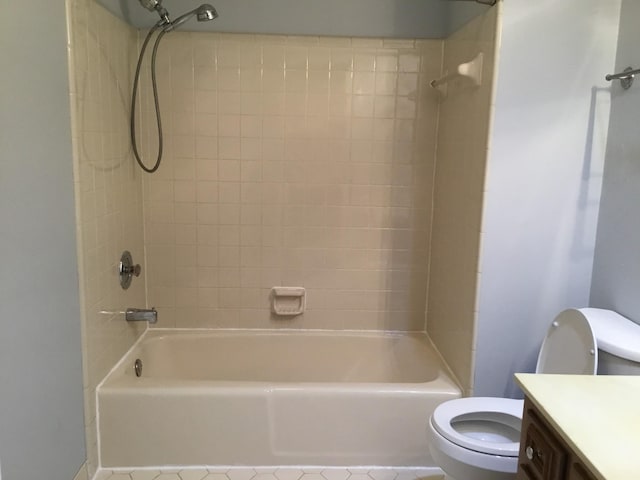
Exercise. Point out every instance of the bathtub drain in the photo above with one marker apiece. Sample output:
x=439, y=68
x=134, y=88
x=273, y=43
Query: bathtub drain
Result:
x=137, y=367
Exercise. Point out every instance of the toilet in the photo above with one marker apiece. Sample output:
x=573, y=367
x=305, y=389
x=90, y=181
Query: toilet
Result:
x=477, y=438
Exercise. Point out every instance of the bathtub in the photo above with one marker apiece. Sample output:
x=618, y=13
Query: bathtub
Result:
x=272, y=398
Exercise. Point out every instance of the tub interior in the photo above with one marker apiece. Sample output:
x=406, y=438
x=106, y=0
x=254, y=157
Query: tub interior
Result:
x=273, y=399
x=320, y=357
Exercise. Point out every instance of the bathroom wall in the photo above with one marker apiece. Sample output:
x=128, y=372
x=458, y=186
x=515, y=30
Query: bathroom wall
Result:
x=461, y=13
x=108, y=191
x=459, y=183
x=41, y=423
x=616, y=271
x=543, y=181
x=298, y=161
x=353, y=18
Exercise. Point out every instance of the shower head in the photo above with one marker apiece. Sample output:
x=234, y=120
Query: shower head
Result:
x=156, y=6
x=150, y=5
x=203, y=13
x=206, y=12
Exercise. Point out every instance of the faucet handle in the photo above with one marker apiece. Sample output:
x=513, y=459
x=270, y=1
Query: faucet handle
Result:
x=127, y=269
x=130, y=269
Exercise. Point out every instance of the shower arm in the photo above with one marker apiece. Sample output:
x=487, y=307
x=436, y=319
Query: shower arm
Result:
x=483, y=2
x=170, y=25
x=204, y=12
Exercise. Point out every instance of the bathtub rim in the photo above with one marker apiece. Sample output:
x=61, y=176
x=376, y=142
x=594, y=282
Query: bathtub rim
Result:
x=153, y=333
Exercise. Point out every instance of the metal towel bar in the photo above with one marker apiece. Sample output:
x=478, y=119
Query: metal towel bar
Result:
x=625, y=77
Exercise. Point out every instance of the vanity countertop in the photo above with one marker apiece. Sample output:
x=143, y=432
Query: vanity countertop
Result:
x=598, y=416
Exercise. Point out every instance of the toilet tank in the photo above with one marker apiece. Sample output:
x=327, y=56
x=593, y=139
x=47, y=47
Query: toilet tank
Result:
x=618, y=341
x=609, y=364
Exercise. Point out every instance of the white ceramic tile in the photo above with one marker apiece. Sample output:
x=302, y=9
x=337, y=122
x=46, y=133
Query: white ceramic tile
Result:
x=264, y=476
x=336, y=473
x=455, y=339
x=195, y=474
x=104, y=213
x=241, y=473
x=383, y=474
x=103, y=475
x=277, y=473
x=314, y=115
x=288, y=473
x=145, y=474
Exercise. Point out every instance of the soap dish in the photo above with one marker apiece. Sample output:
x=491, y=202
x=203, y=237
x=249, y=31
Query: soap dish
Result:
x=287, y=301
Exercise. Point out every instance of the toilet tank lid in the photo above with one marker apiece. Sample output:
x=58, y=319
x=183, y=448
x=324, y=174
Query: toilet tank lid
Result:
x=614, y=333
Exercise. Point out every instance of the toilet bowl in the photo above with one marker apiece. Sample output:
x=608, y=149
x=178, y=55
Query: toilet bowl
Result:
x=478, y=438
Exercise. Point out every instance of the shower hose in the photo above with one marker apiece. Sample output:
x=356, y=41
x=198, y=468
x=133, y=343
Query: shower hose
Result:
x=134, y=96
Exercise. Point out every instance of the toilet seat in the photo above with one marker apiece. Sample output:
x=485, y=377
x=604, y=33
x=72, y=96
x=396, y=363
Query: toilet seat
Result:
x=486, y=425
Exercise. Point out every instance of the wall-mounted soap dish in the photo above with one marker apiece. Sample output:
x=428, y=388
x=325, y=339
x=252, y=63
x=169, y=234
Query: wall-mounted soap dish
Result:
x=287, y=301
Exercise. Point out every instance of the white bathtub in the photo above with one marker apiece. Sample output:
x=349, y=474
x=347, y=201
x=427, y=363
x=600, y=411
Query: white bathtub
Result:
x=272, y=398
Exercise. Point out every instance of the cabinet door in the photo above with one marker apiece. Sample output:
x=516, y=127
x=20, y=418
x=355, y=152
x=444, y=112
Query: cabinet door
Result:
x=577, y=471
x=542, y=455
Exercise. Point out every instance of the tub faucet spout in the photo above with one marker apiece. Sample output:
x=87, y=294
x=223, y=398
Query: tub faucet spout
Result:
x=141, y=315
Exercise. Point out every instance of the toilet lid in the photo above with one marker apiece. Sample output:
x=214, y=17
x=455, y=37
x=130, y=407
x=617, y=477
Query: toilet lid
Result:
x=614, y=333
x=570, y=346
x=482, y=424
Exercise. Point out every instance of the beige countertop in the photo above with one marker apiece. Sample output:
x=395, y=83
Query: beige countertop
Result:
x=598, y=416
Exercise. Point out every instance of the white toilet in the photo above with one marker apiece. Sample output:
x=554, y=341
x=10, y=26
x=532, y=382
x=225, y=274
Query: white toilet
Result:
x=478, y=438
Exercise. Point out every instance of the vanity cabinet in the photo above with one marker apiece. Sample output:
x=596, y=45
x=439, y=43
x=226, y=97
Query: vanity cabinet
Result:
x=544, y=455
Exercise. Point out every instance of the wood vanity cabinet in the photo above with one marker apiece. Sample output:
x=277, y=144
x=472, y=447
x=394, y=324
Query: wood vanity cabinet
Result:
x=544, y=455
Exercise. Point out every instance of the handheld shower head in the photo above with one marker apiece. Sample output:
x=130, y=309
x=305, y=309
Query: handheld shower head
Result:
x=204, y=13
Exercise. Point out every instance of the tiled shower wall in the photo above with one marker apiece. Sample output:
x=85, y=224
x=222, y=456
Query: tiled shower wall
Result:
x=108, y=192
x=459, y=189
x=296, y=161
x=299, y=161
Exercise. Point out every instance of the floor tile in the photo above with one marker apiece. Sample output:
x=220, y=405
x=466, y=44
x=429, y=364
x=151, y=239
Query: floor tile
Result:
x=241, y=473
x=216, y=476
x=383, y=474
x=193, y=474
x=288, y=473
x=272, y=473
x=335, y=473
x=145, y=475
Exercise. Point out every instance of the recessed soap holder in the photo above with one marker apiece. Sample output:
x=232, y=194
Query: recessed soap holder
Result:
x=288, y=301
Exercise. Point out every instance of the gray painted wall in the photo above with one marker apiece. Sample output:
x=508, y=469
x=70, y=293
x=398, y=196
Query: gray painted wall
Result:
x=616, y=273
x=351, y=18
x=41, y=406
x=543, y=178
